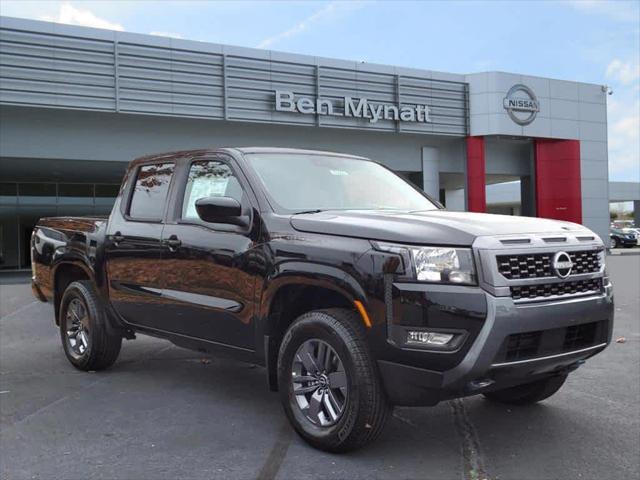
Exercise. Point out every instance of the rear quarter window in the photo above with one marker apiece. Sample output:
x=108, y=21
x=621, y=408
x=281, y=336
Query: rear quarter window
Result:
x=150, y=191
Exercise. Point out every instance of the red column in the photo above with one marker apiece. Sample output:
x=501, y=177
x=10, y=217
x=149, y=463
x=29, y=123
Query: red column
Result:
x=476, y=178
x=558, y=189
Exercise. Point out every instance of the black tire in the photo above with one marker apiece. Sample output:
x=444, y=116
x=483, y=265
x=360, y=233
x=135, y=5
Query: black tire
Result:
x=365, y=409
x=529, y=392
x=92, y=347
x=615, y=242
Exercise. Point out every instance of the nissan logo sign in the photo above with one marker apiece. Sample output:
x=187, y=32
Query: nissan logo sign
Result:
x=562, y=264
x=521, y=104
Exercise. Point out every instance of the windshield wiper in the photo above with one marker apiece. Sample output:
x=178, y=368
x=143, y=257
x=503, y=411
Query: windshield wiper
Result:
x=316, y=210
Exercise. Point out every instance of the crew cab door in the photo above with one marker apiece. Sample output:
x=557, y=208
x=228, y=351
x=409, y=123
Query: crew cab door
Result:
x=209, y=281
x=133, y=247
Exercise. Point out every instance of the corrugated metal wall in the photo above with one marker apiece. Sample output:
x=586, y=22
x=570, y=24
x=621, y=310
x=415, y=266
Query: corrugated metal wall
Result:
x=67, y=70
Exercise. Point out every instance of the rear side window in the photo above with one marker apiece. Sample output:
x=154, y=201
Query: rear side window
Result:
x=150, y=191
x=209, y=178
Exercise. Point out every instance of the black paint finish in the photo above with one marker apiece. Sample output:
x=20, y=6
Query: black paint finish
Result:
x=232, y=288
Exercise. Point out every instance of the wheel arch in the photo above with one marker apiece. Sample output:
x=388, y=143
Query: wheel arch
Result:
x=296, y=290
x=64, y=274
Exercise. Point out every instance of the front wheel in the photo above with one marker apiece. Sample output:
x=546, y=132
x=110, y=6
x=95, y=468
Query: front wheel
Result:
x=329, y=384
x=85, y=339
x=529, y=392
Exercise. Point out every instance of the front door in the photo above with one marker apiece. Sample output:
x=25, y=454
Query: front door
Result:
x=133, y=247
x=209, y=282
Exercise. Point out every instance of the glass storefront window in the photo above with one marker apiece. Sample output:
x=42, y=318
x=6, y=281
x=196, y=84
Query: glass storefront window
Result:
x=75, y=194
x=105, y=198
x=8, y=194
x=107, y=191
x=37, y=193
x=22, y=204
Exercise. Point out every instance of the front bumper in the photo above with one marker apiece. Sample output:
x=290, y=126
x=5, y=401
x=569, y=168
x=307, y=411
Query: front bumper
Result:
x=482, y=368
x=36, y=290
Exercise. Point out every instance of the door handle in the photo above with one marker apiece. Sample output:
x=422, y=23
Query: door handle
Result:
x=116, y=238
x=173, y=243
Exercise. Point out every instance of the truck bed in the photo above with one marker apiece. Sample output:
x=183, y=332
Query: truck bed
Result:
x=54, y=237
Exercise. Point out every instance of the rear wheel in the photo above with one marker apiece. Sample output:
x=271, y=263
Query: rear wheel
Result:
x=86, y=342
x=328, y=382
x=529, y=392
x=615, y=243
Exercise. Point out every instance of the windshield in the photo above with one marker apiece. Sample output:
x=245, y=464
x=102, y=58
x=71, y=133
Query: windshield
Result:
x=303, y=182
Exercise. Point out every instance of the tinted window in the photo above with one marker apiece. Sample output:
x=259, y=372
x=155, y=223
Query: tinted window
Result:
x=109, y=191
x=8, y=194
x=150, y=191
x=38, y=189
x=37, y=194
x=209, y=179
x=74, y=193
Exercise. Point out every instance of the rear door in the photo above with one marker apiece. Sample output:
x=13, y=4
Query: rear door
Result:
x=133, y=245
x=209, y=269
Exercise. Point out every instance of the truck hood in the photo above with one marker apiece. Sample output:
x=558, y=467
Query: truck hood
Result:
x=439, y=227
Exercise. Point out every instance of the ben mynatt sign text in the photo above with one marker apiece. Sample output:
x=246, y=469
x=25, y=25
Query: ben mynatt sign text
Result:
x=351, y=107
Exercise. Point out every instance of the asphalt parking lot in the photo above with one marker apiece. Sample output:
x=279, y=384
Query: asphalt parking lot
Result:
x=164, y=413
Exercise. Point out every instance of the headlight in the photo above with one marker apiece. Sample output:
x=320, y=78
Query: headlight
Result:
x=436, y=264
x=448, y=265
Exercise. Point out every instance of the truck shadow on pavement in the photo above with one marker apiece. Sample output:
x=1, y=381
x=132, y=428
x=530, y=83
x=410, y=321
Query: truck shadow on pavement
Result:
x=232, y=398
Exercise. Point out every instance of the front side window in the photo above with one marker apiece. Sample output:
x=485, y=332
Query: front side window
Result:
x=301, y=182
x=150, y=191
x=209, y=178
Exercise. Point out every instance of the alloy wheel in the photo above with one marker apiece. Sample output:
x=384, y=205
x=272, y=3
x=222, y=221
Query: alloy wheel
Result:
x=319, y=383
x=77, y=327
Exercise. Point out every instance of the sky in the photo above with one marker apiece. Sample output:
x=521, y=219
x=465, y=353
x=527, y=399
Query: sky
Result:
x=580, y=40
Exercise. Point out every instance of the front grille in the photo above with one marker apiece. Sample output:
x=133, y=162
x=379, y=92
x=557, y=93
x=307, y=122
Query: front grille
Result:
x=542, y=343
x=538, y=265
x=585, y=262
x=546, y=290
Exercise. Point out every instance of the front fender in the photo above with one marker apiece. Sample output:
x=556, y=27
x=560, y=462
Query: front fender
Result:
x=312, y=274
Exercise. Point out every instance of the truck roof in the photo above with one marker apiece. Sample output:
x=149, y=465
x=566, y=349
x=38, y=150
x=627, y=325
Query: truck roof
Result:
x=242, y=150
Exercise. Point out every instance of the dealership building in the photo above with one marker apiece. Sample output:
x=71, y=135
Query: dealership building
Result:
x=76, y=104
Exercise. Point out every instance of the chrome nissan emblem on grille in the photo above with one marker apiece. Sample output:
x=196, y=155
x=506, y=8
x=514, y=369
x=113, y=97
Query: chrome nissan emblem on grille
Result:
x=562, y=264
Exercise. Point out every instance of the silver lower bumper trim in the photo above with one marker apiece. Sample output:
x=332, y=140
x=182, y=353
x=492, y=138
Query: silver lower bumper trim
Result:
x=549, y=357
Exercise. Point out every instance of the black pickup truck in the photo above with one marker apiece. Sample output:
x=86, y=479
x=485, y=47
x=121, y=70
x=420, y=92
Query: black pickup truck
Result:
x=353, y=288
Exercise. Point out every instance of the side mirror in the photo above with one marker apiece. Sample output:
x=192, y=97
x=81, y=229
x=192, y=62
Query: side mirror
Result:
x=220, y=210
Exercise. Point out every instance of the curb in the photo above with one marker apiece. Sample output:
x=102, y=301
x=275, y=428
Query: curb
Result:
x=620, y=252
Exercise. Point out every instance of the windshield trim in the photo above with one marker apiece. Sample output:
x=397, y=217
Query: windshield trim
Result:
x=273, y=205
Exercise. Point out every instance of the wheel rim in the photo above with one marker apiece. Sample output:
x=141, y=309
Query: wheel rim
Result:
x=77, y=327
x=319, y=383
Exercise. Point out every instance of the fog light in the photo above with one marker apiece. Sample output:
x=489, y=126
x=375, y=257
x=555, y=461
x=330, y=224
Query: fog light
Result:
x=428, y=338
